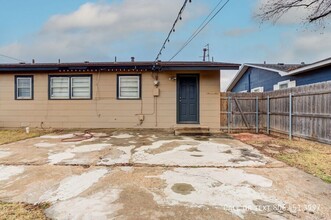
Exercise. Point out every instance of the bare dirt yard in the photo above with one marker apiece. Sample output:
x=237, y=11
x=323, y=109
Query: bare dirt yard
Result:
x=152, y=174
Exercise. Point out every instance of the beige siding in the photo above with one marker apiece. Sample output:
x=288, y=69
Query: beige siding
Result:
x=105, y=111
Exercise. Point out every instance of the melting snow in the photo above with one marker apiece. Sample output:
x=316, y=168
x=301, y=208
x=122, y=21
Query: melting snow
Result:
x=208, y=154
x=89, y=148
x=6, y=172
x=56, y=158
x=231, y=189
x=96, y=206
x=73, y=186
x=44, y=145
x=122, y=136
x=58, y=136
x=124, y=157
x=4, y=154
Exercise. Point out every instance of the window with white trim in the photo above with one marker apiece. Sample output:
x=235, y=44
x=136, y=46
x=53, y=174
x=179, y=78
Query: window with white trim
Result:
x=285, y=84
x=59, y=88
x=257, y=89
x=80, y=87
x=128, y=87
x=24, y=87
x=70, y=87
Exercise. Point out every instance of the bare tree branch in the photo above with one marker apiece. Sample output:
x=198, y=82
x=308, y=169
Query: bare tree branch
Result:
x=317, y=10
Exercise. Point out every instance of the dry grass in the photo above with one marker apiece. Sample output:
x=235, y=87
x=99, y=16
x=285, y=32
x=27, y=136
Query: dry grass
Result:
x=310, y=156
x=21, y=211
x=12, y=135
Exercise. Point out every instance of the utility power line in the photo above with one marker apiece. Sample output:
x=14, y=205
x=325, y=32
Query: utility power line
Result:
x=12, y=58
x=179, y=17
x=202, y=26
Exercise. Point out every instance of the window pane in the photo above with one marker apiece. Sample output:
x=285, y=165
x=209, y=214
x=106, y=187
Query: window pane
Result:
x=24, y=90
x=23, y=93
x=23, y=82
x=129, y=87
x=283, y=86
x=60, y=87
x=81, y=87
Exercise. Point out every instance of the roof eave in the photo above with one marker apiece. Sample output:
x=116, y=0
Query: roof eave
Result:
x=243, y=70
x=311, y=67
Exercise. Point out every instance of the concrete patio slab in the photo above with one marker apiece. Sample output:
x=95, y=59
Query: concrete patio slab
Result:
x=155, y=175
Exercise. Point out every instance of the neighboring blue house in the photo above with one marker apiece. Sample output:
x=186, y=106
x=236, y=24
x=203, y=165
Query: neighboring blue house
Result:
x=270, y=77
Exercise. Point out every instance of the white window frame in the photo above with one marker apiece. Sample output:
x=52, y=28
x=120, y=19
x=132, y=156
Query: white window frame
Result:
x=51, y=87
x=243, y=91
x=289, y=83
x=72, y=87
x=258, y=89
x=119, y=87
x=70, y=97
x=30, y=87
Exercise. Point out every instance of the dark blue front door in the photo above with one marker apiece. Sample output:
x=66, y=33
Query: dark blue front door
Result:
x=188, y=99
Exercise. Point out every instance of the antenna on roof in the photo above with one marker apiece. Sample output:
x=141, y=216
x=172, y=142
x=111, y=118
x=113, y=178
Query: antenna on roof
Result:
x=206, y=53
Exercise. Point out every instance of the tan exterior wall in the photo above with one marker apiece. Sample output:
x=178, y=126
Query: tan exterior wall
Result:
x=104, y=110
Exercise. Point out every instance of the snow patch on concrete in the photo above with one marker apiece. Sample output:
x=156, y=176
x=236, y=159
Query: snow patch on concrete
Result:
x=73, y=186
x=98, y=135
x=122, y=136
x=89, y=148
x=100, y=205
x=4, y=154
x=232, y=189
x=56, y=158
x=206, y=154
x=122, y=158
x=6, y=172
x=58, y=136
x=44, y=145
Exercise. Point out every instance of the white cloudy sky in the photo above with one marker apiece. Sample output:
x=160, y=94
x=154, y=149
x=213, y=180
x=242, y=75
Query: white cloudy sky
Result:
x=80, y=30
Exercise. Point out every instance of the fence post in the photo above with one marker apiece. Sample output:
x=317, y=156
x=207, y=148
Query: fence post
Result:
x=290, y=117
x=229, y=113
x=257, y=115
x=268, y=115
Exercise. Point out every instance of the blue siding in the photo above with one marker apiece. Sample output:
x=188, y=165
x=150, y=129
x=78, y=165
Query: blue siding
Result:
x=255, y=77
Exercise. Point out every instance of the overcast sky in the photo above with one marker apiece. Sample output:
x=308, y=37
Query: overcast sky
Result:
x=79, y=30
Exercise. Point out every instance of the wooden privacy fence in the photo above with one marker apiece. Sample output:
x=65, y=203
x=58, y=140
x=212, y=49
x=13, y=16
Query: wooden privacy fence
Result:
x=303, y=112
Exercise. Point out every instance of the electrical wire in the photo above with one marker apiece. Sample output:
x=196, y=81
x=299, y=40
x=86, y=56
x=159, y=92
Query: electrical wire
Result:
x=12, y=58
x=179, y=17
x=201, y=27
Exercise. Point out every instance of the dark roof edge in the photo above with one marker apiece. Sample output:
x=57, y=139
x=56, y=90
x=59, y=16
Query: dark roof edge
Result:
x=149, y=66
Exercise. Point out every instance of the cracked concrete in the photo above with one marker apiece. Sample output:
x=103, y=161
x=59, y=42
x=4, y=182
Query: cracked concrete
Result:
x=144, y=174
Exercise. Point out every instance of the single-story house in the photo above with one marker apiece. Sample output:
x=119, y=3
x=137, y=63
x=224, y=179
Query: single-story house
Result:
x=270, y=77
x=111, y=95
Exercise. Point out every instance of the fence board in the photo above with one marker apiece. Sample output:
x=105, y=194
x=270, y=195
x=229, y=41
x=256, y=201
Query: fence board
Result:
x=311, y=111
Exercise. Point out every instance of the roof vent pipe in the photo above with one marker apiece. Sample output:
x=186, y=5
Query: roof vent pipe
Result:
x=302, y=63
x=132, y=59
x=33, y=62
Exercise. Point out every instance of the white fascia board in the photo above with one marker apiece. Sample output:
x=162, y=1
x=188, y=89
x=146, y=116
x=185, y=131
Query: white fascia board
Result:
x=237, y=77
x=282, y=73
x=310, y=67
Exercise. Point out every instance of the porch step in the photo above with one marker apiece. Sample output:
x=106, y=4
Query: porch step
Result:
x=192, y=131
